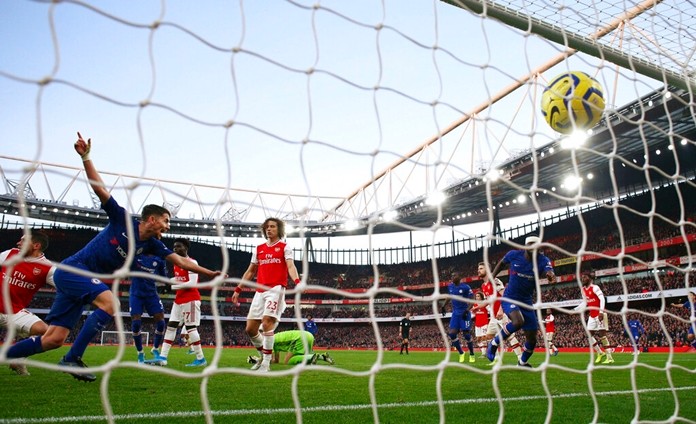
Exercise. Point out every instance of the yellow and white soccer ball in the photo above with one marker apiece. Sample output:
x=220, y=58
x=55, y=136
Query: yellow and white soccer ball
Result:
x=573, y=100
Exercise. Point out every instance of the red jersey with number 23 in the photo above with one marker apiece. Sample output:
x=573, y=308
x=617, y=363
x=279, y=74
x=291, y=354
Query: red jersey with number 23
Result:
x=272, y=270
x=183, y=276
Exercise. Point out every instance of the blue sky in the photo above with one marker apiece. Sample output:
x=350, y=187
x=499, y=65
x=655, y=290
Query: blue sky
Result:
x=354, y=131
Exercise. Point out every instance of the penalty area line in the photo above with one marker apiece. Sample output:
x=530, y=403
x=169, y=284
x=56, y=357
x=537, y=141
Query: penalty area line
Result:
x=332, y=408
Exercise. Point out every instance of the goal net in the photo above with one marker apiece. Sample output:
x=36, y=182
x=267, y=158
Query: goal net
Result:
x=121, y=337
x=402, y=143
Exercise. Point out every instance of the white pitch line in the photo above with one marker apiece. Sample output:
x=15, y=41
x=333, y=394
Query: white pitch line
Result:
x=332, y=408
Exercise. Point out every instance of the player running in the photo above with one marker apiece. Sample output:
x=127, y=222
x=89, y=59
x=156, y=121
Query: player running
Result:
x=550, y=330
x=597, y=321
x=689, y=306
x=520, y=288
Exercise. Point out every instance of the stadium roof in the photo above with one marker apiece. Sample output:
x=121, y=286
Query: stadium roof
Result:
x=623, y=158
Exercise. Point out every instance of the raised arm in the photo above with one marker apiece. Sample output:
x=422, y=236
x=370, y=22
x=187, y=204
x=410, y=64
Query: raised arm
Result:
x=83, y=148
x=181, y=262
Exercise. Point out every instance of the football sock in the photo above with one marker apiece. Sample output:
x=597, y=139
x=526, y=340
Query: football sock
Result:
x=257, y=341
x=159, y=334
x=169, y=337
x=267, y=346
x=26, y=347
x=137, y=336
x=195, y=338
x=455, y=343
x=528, y=351
x=94, y=324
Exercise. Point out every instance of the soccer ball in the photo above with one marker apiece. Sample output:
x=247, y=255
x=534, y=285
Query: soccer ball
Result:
x=573, y=100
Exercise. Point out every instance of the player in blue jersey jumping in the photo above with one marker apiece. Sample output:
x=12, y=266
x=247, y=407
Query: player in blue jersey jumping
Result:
x=521, y=285
x=144, y=297
x=461, y=317
x=76, y=282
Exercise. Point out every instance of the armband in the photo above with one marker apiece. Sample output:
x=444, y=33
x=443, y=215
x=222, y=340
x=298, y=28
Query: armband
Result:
x=237, y=289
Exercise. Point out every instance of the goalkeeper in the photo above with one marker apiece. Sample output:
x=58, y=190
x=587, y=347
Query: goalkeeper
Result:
x=291, y=342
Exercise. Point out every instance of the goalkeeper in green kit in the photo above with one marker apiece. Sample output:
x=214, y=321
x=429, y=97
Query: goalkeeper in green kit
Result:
x=291, y=343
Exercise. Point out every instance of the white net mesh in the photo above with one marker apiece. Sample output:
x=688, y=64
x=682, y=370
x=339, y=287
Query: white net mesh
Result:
x=404, y=140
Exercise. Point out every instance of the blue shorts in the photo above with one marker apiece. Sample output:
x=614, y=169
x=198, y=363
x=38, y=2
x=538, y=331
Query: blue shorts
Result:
x=460, y=321
x=691, y=329
x=150, y=303
x=73, y=292
x=530, y=319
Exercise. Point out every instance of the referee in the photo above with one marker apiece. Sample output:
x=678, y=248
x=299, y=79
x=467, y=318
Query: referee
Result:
x=405, y=327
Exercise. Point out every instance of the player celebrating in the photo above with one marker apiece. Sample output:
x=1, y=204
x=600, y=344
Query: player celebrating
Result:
x=186, y=309
x=461, y=317
x=597, y=322
x=106, y=253
x=689, y=306
x=292, y=342
x=497, y=318
x=550, y=330
x=405, y=329
x=636, y=331
x=272, y=263
x=24, y=272
x=143, y=297
x=521, y=288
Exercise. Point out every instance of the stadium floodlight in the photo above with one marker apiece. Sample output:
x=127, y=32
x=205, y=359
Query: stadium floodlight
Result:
x=350, y=225
x=436, y=198
x=389, y=215
x=494, y=174
x=572, y=182
x=574, y=140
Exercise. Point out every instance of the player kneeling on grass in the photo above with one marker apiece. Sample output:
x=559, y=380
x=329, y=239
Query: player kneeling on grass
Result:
x=292, y=343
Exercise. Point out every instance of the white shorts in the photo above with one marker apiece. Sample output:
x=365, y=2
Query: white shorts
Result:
x=481, y=331
x=189, y=313
x=22, y=321
x=549, y=337
x=270, y=303
x=597, y=323
x=495, y=325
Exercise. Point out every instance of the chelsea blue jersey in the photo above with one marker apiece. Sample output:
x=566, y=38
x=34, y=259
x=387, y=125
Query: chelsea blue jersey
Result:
x=147, y=263
x=107, y=252
x=522, y=283
x=461, y=290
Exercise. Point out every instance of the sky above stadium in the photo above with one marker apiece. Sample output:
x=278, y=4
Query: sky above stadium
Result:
x=271, y=96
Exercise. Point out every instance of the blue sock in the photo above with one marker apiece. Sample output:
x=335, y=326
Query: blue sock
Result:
x=93, y=325
x=455, y=343
x=527, y=352
x=469, y=344
x=26, y=347
x=159, y=334
x=136, y=325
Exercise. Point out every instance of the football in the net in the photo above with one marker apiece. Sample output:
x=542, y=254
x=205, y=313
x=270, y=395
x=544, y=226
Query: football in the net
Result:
x=573, y=100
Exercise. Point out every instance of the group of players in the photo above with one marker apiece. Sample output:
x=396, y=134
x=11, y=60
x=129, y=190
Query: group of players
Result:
x=496, y=321
x=138, y=242
x=127, y=240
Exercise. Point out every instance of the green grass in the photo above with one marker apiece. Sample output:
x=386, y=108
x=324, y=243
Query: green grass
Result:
x=332, y=395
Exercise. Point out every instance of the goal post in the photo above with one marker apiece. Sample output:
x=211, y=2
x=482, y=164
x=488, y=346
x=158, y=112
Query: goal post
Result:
x=110, y=338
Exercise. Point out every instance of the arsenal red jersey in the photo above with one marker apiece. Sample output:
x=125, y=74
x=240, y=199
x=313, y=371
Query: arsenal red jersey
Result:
x=550, y=323
x=270, y=259
x=488, y=289
x=595, y=299
x=481, y=317
x=184, y=276
x=25, y=278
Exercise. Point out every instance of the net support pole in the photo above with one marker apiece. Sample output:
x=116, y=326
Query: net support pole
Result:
x=585, y=44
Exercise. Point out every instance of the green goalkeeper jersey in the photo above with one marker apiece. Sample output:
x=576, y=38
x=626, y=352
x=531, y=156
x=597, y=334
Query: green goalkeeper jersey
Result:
x=291, y=341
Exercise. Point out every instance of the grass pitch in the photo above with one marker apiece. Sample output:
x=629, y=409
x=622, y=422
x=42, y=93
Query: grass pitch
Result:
x=422, y=387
